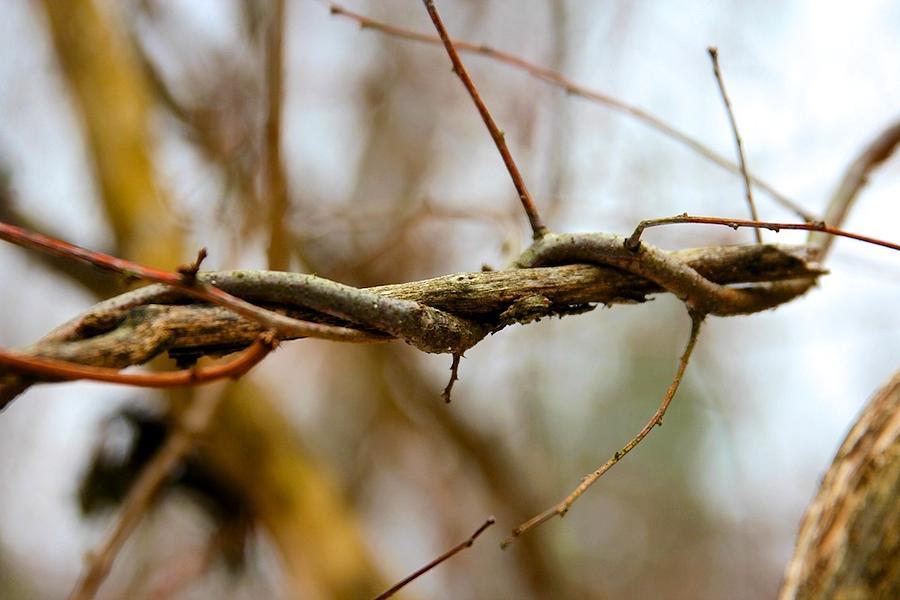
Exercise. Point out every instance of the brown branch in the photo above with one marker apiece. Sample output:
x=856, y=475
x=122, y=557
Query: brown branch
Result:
x=193, y=423
x=570, y=87
x=278, y=251
x=742, y=160
x=635, y=238
x=54, y=369
x=285, y=326
x=133, y=328
x=453, y=551
x=534, y=218
x=563, y=507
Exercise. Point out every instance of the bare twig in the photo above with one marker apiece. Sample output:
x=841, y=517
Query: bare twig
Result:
x=635, y=238
x=559, y=80
x=455, y=550
x=563, y=507
x=454, y=376
x=742, y=160
x=193, y=423
x=534, y=218
x=69, y=371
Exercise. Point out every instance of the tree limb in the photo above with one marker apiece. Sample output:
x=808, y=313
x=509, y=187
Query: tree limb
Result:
x=133, y=328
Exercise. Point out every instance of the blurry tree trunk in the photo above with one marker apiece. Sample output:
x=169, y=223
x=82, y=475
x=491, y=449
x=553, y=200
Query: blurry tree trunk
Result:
x=849, y=540
x=288, y=494
x=113, y=101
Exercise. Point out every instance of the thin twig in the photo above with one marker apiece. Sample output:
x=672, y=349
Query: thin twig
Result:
x=454, y=376
x=534, y=218
x=193, y=423
x=742, y=160
x=570, y=87
x=633, y=241
x=563, y=507
x=455, y=550
x=69, y=371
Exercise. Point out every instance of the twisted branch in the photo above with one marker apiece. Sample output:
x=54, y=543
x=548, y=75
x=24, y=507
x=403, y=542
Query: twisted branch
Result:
x=446, y=314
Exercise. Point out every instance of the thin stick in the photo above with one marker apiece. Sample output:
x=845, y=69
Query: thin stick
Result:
x=563, y=507
x=61, y=369
x=561, y=81
x=454, y=376
x=181, y=440
x=538, y=228
x=633, y=241
x=455, y=550
x=184, y=282
x=742, y=160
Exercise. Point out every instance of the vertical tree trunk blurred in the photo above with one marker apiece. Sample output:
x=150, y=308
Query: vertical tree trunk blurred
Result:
x=292, y=497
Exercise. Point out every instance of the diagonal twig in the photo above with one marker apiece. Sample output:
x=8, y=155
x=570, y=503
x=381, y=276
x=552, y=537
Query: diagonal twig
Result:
x=563, y=507
x=181, y=440
x=448, y=554
x=534, y=218
x=742, y=160
x=183, y=282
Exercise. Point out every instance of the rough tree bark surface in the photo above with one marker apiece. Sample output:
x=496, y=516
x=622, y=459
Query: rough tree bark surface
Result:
x=849, y=541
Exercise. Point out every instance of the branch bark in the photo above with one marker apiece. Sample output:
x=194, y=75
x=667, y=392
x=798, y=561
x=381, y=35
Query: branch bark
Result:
x=849, y=540
x=133, y=328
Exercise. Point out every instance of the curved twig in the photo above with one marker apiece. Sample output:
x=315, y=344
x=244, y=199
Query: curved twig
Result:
x=55, y=369
x=448, y=554
x=563, y=507
x=819, y=227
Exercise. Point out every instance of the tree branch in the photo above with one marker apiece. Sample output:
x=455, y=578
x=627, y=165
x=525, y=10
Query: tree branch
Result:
x=134, y=327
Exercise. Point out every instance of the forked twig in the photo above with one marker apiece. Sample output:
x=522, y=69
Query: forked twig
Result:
x=570, y=87
x=563, y=507
x=193, y=423
x=455, y=550
x=534, y=218
x=742, y=160
x=635, y=238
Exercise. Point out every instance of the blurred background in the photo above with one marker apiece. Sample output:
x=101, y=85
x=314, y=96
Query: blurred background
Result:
x=149, y=128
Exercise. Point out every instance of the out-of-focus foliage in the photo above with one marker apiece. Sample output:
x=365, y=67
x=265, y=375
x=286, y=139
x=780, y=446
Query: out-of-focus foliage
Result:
x=148, y=137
